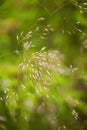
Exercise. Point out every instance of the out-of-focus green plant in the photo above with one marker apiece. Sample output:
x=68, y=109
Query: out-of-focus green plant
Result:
x=47, y=89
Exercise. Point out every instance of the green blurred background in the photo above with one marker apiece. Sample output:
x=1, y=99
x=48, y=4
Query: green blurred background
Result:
x=65, y=26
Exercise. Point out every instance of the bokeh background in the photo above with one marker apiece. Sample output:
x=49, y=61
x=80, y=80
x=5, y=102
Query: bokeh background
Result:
x=60, y=25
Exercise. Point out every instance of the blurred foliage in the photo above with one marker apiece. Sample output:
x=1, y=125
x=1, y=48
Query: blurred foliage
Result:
x=43, y=65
